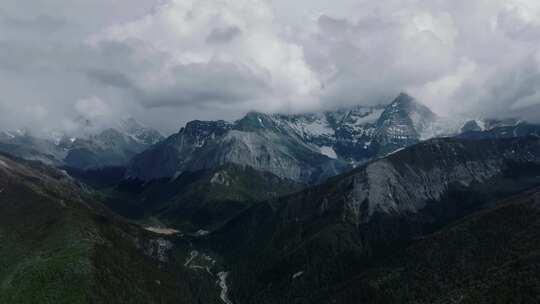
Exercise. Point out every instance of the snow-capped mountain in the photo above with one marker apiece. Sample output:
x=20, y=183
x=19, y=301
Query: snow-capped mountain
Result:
x=22, y=144
x=139, y=132
x=493, y=128
x=94, y=149
x=361, y=133
x=304, y=147
x=110, y=147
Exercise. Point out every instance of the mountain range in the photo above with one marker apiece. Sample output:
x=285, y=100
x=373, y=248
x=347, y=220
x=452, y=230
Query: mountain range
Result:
x=307, y=148
x=381, y=204
x=303, y=147
x=311, y=147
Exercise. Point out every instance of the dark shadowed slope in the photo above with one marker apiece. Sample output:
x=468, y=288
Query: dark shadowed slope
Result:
x=58, y=246
x=489, y=257
x=197, y=200
x=301, y=247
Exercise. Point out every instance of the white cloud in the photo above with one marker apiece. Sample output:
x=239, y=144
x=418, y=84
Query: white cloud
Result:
x=92, y=108
x=269, y=70
x=456, y=56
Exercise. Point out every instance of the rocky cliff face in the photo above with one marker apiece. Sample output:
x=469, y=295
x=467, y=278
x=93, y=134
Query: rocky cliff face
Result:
x=254, y=141
x=407, y=181
x=416, y=179
x=361, y=133
x=402, y=123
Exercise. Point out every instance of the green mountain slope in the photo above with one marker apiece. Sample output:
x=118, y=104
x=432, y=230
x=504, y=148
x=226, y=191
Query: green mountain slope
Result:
x=197, y=200
x=58, y=246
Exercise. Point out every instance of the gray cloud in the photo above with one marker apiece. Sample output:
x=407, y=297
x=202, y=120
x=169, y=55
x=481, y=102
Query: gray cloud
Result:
x=212, y=82
x=183, y=85
x=40, y=23
x=169, y=61
x=223, y=35
x=111, y=78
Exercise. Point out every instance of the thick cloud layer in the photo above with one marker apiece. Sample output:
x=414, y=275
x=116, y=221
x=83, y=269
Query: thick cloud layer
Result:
x=169, y=61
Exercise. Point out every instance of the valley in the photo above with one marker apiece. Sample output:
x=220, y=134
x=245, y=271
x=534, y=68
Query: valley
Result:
x=282, y=209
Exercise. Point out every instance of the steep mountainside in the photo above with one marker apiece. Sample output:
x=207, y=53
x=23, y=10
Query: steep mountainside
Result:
x=57, y=245
x=307, y=148
x=489, y=257
x=361, y=133
x=309, y=246
x=255, y=141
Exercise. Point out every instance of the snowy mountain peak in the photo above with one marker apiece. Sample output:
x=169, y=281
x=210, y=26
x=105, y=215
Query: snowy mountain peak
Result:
x=300, y=146
x=139, y=132
x=403, y=99
x=402, y=122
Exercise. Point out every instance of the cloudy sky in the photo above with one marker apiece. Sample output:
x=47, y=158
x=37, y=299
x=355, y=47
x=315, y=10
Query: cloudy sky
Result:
x=169, y=61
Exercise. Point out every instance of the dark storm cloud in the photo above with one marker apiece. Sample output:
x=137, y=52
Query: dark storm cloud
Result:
x=223, y=35
x=111, y=78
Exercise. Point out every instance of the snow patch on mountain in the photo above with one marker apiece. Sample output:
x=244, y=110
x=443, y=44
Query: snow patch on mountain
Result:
x=366, y=116
x=7, y=134
x=329, y=151
x=482, y=124
x=4, y=164
x=297, y=275
x=202, y=232
x=164, y=231
x=311, y=126
x=442, y=127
